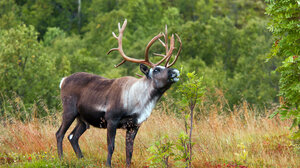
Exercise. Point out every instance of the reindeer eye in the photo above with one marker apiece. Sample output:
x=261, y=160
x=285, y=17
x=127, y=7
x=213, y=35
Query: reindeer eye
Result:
x=157, y=70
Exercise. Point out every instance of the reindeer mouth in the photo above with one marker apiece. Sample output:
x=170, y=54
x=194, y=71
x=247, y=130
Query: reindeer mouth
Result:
x=175, y=75
x=176, y=79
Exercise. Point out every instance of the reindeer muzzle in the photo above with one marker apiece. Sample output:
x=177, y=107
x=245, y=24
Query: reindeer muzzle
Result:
x=173, y=75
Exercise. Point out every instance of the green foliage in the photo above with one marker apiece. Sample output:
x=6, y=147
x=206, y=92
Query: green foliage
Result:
x=191, y=90
x=228, y=50
x=9, y=14
x=161, y=151
x=54, y=13
x=285, y=28
x=52, y=33
x=40, y=160
x=183, y=154
x=25, y=68
x=164, y=150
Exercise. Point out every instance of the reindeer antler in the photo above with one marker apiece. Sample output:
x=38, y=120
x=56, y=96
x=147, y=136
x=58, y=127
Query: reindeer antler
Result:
x=169, y=51
x=176, y=57
x=146, y=61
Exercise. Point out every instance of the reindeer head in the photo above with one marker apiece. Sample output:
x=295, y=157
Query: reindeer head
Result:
x=162, y=76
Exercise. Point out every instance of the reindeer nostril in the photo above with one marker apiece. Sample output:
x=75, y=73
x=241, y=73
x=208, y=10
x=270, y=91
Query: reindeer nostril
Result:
x=174, y=73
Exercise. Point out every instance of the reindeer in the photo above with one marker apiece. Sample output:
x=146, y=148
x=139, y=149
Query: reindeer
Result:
x=124, y=102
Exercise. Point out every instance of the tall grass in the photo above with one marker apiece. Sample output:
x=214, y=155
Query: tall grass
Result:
x=235, y=139
x=14, y=107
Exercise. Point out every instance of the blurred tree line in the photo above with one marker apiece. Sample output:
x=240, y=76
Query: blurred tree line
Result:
x=41, y=41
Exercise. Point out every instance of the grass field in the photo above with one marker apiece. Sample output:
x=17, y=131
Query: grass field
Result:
x=241, y=139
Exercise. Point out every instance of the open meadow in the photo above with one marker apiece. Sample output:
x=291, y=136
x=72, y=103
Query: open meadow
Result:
x=241, y=139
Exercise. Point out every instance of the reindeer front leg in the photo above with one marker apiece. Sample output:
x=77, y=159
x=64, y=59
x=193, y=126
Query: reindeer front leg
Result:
x=130, y=135
x=111, y=134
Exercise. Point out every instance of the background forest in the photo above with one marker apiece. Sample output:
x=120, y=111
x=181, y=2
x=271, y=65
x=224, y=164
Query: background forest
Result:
x=225, y=41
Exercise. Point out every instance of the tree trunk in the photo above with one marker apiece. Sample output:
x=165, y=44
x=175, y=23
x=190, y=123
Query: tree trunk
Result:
x=190, y=137
x=78, y=13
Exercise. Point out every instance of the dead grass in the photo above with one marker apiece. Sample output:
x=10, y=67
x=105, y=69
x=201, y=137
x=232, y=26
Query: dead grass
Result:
x=235, y=140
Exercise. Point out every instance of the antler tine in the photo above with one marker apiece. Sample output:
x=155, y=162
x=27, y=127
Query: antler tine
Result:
x=156, y=54
x=162, y=42
x=149, y=45
x=123, y=61
x=166, y=39
x=113, y=33
x=119, y=25
x=113, y=49
x=169, y=53
x=176, y=57
x=165, y=44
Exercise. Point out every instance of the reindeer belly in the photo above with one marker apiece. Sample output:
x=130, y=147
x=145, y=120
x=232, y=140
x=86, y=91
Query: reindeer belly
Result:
x=97, y=119
x=93, y=117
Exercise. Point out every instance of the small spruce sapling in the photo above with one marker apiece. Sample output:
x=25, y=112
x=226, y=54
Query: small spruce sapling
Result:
x=192, y=91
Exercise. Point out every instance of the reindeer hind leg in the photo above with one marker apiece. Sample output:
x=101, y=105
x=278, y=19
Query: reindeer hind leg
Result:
x=69, y=115
x=80, y=128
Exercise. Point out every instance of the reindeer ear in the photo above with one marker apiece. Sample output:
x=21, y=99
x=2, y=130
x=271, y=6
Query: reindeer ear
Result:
x=144, y=69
